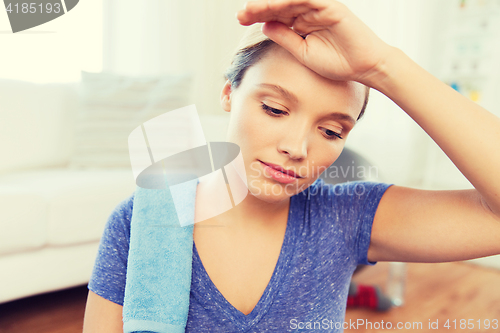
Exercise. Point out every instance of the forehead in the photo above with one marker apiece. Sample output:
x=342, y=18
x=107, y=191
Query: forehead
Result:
x=279, y=67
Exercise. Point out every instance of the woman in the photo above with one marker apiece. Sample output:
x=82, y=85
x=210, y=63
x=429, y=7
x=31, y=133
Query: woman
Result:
x=284, y=258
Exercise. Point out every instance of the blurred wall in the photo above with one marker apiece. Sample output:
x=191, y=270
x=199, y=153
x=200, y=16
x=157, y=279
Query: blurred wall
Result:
x=168, y=36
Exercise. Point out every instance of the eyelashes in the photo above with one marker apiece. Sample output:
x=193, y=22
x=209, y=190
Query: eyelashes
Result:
x=331, y=135
x=272, y=111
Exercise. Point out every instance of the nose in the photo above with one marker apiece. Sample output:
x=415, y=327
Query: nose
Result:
x=295, y=143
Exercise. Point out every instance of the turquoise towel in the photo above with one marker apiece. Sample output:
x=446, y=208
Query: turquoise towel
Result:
x=159, y=265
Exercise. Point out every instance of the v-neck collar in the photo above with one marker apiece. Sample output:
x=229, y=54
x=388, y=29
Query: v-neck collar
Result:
x=243, y=321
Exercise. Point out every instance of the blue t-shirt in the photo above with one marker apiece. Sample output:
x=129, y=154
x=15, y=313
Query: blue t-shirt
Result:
x=327, y=236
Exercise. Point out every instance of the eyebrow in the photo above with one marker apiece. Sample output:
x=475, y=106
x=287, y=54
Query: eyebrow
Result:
x=291, y=96
x=280, y=90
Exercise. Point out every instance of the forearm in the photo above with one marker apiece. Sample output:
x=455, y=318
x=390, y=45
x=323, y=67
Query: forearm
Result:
x=466, y=132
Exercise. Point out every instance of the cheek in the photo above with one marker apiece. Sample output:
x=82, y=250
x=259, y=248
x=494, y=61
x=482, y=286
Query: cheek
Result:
x=250, y=130
x=325, y=155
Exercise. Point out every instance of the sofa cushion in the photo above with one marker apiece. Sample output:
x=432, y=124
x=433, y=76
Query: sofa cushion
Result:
x=36, y=124
x=58, y=206
x=23, y=219
x=114, y=105
x=47, y=269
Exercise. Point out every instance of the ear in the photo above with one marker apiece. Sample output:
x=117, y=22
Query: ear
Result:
x=225, y=96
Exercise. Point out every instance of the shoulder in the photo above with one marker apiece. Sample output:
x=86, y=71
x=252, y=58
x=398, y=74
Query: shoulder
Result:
x=110, y=267
x=339, y=203
x=119, y=220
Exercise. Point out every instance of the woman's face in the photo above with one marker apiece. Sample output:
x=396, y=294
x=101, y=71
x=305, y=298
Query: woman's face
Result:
x=285, y=114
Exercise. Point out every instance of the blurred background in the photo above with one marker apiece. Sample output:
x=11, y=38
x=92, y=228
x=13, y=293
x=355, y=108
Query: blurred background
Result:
x=72, y=89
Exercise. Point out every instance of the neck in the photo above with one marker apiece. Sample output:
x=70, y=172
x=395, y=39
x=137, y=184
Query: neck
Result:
x=251, y=213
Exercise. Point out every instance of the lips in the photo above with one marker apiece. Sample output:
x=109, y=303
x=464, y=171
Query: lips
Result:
x=279, y=168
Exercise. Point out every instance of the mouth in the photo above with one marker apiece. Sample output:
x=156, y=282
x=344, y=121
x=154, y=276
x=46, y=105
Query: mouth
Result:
x=282, y=170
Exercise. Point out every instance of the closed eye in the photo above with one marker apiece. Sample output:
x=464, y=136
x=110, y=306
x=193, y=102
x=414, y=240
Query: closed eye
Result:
x=272, y=111
x=330, y=135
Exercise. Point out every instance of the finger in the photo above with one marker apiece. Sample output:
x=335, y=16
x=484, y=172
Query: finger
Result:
x=285, y=37
x=314, y=21
x=276, y=10
x=260, y=5
x=285, y=17
x=245, y=19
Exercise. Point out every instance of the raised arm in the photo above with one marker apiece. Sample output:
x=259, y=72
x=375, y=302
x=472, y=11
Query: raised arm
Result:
x=410, y=224
x=444, y=225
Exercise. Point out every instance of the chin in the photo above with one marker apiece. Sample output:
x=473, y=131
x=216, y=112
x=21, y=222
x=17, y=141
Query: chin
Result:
x=271, y=192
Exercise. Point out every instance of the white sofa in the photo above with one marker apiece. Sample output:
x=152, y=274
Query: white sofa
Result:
x=52, y=214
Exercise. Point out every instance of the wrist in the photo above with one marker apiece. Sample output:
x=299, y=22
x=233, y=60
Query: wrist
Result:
x=379, y=77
